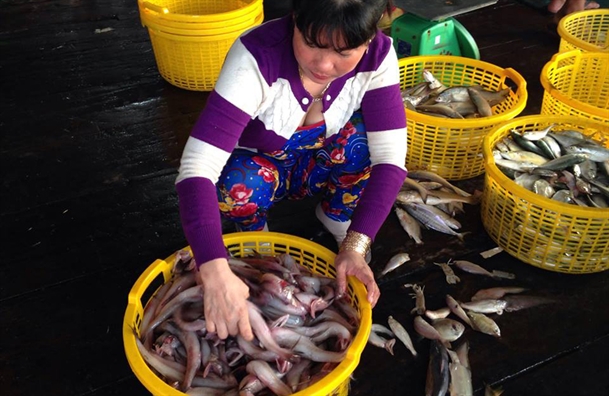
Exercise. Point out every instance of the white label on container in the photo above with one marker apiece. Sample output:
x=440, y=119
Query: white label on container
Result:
x=437, y=40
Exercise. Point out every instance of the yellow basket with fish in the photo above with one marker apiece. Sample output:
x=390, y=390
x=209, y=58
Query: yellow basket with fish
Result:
x=313, y=256
x=546, y=233
x=452, y=148
x=577, y=83
x=586, y=30
x=190, y=38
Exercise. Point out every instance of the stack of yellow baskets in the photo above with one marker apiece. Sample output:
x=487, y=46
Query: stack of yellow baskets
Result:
x=540, y=231
x=576, y=79
x=313, y=256
x=190, y=38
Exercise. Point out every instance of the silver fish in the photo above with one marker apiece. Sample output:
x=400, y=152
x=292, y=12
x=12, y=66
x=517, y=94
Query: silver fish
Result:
x=455, y=308
x=428, y=331
x=496, y=292
x=410, y=225
x=472, y=268
x=460, y=377
x=401, y=333
x=525, y=156
x=550, y=147
x=436, y=197
x=410, y=184
x=503, y=274
x=440, y=109
x=377, y=340
x=433, y=218
x=438, y=313
x=565, y=161
x=537, y=135
x=434, y=83
x=449, y=329
x=420, y=174
x=453, y=94
x=484, y=324
x=395, y=261
x=543, y=188
x=481, y=104
x=486, y=306
x=438, y=370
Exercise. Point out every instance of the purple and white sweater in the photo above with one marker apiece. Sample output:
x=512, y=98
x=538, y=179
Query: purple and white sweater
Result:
x=258, y=102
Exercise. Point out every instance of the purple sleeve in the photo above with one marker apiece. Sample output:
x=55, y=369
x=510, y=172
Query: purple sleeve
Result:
x=220, y=124
x=201, y=218
x=383, y=110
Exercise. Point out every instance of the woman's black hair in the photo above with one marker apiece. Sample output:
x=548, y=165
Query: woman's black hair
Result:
x=340, y=24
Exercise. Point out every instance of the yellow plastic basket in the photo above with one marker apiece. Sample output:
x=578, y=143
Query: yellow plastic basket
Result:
x=319, y=259
x=545, y=233
x=192, y=62
x=196, y=24
x=199, y=11
x=577, y=83
x=585, y=30
x=452, y=148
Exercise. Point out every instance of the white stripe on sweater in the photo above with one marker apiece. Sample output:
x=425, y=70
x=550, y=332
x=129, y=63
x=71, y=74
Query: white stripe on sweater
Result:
x=388, y=147
x=201, y=159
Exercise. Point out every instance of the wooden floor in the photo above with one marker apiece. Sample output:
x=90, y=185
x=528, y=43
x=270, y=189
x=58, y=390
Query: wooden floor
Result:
x=91, y=138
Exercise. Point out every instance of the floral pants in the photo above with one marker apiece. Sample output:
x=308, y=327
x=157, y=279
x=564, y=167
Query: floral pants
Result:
x=308, y=164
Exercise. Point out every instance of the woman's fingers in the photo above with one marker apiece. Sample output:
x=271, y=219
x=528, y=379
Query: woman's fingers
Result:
x=341, y=278
x=353, y=264
x=245, y=329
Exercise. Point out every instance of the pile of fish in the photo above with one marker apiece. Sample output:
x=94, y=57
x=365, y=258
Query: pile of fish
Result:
x=428, y=200
x=561, y=164
x=448, y=370
x=302, y=330
x=434, y=98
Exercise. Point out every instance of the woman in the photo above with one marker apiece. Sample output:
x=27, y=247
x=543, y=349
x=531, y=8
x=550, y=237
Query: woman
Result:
x=305, y=104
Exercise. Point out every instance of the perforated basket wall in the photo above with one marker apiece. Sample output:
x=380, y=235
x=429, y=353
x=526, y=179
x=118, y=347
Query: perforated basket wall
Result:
x=545, y=233
x=452, y=148
x=585, y=30
x=316, y=257
x=577, y=83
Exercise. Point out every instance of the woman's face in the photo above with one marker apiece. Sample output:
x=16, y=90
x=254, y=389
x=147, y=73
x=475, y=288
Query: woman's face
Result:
x=323, y=65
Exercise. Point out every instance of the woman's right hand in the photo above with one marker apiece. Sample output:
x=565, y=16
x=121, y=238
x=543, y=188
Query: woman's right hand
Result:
x=225, y=297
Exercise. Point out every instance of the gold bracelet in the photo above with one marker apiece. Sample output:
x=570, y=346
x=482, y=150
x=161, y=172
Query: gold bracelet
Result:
x=356, y=242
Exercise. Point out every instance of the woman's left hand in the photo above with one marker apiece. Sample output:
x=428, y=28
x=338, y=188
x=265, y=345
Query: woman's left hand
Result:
x=352, y=263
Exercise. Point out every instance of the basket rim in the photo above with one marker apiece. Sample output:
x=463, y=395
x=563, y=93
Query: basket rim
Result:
x=226, y=37
x=202, y=31
x=330, y=382
x=570, y=38
x=147, y=6
x=508, y=72
x=547, y=203
x=557, y=94
x=202, y=25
